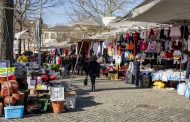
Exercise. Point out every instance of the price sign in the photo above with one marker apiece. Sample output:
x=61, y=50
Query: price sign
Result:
x=57, y=94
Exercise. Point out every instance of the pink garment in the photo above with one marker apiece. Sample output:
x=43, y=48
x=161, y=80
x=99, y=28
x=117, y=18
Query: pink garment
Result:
x=143, y=46
x=175, y=32
x=152, y=46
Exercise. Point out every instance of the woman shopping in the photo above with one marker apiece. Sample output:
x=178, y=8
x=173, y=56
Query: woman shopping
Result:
x=93, y=71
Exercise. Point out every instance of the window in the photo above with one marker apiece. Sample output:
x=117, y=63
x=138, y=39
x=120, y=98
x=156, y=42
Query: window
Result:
x=46, y=35
x=53, y=36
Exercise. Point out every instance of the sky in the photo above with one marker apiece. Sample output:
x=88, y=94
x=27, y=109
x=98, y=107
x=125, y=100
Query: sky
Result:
x=57, y=15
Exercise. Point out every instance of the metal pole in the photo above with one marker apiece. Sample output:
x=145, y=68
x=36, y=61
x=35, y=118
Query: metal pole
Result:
x=39, y=38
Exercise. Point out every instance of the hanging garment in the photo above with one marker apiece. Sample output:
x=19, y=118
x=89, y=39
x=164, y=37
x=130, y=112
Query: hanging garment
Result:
x=135, y=37
x=158, y=49
x=184, y=32
x=167, y=45
x=105, y=44
x=159, y=60
x=143, y=56
x=157, y=34
x=143, y=46
x=184, y=59
x=143, y=34
x=127, y=37
x=117, y=59
x=152, y=46
x=176, y=45
x=163, y=55
x=175, y=31
x=162, y=36
x=130, y=46
x=151, y=34
x=177, y=56
x=169, y=55
x=95, y=47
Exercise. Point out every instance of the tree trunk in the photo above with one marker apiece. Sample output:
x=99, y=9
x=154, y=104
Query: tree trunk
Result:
x=6, y=30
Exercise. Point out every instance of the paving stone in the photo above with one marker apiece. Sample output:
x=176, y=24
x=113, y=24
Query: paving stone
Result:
x=115, y=101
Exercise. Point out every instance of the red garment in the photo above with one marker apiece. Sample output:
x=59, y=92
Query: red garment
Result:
x=143, y=45
x=151, y=34
x=59, y=61
x=169, y=54
x=176, y=46
x=135, y=36
x=127, y=36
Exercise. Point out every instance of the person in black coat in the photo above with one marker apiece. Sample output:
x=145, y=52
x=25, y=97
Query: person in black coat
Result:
x=93, y=71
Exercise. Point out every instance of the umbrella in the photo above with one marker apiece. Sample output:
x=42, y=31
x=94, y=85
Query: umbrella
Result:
x=161, y=11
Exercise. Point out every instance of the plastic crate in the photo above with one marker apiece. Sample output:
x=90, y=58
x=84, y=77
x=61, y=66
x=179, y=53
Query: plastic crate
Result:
x=14, y=112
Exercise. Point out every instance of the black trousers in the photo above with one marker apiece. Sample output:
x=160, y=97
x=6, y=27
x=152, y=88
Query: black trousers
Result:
x=93, y=80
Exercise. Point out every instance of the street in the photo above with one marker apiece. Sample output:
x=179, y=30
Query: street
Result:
x=116, y=101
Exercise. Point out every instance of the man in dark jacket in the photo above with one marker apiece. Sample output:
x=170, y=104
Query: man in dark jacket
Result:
x=93, y=71
x=136, y=70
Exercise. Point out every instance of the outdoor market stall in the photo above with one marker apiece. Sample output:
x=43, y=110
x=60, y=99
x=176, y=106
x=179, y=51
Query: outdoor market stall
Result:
x=176, y=13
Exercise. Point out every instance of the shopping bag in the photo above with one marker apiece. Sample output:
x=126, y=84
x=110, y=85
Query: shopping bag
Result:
x=181, y=89
x=187, y=92
x=86, y=81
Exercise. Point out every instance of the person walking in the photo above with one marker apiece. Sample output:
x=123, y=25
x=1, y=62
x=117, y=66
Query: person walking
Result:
x=65, y=64
x=136, y=71
x=80, y=64
x=93, y=71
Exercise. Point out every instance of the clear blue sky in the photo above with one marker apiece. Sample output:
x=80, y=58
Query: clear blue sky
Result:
x=57, y=15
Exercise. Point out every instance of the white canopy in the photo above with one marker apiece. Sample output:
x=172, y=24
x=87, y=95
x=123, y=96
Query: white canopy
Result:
x=161, y=11
x=95, y=21
x=23, y=35
x=130, y=24
x=64, y=44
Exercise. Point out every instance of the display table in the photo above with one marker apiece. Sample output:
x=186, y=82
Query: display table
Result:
x=169, y=75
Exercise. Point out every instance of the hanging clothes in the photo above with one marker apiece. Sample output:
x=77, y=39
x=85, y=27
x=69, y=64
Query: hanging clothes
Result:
x=177, y=45
x=127, y=37
x=162, y=36
x=175, y=31
x=157, y=34
x=135, y=37
x=143, y=46
x=152, y=46
x=185, y=32
x=151, y=34
x=95, y=47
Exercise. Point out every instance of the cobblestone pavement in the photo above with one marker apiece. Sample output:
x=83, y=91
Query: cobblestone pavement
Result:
x=116, y=101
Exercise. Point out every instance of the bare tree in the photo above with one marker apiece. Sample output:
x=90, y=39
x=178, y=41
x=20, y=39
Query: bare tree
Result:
x=6, y=30
x=29, y=9
x=82, y=9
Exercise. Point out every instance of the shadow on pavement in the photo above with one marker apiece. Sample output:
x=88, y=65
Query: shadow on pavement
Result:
x=122, y=88
x=84, y=101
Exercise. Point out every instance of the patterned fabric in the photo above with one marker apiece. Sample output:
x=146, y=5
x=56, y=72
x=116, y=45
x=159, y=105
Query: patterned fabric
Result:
x=175, y=31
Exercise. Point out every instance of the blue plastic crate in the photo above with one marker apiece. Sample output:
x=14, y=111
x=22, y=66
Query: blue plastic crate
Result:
x=14, y=112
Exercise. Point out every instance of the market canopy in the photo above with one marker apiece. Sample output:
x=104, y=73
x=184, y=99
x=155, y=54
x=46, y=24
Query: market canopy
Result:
x=161, y=11
x=95, y=21
x=64, y=44
x=23, y=35
x=130, y=24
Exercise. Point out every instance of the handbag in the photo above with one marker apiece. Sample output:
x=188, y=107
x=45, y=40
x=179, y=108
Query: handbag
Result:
x=86, y=81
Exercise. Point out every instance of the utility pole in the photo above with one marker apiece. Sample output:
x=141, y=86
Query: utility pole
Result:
x=39, y=35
